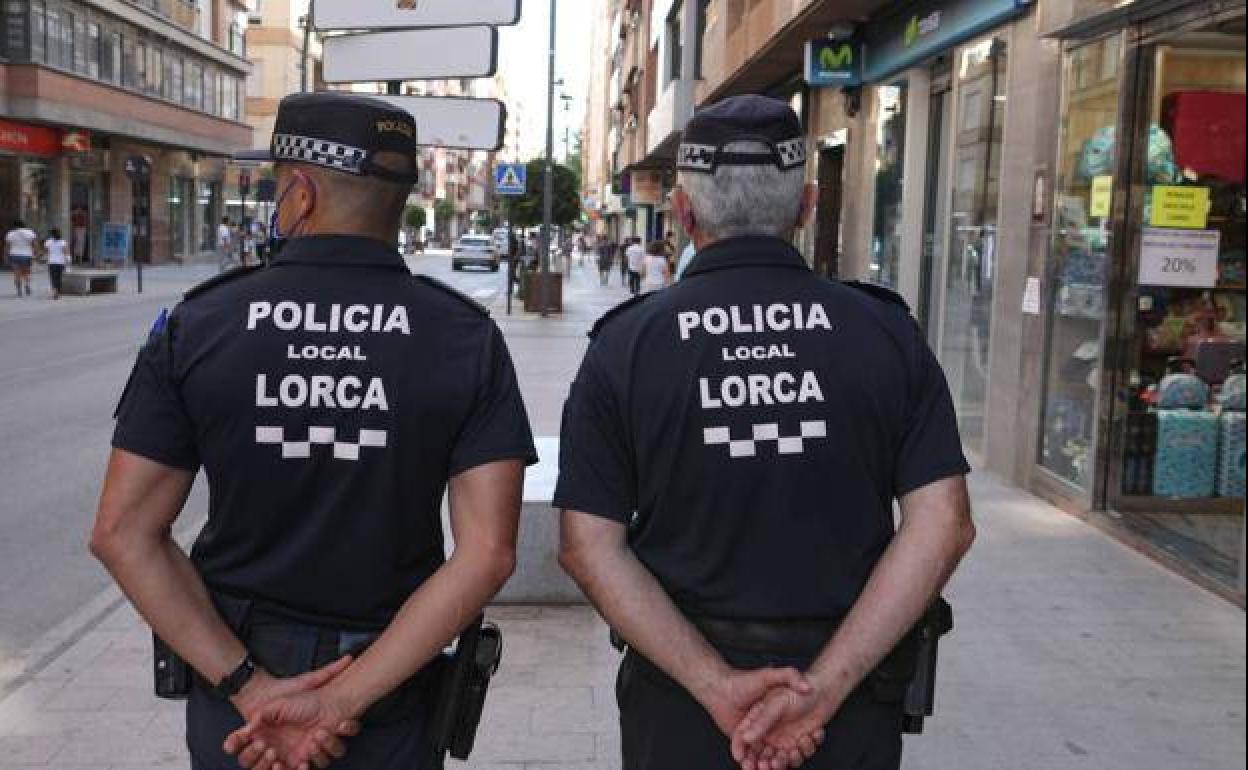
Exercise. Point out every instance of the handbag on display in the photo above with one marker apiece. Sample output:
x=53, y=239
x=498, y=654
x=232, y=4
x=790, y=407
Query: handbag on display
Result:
x=1182, y=391
x=1207, y=129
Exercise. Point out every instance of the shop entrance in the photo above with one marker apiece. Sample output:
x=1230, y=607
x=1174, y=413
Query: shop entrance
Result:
x=9, y=196
x=80, y=208
x=1177, y=427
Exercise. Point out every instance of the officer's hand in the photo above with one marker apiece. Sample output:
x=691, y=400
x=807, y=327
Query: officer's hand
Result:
x=262, y=745
x=731, y=697
x=782, y=730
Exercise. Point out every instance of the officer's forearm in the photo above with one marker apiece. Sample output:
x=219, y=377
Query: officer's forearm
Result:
x=634, y=603
x=935, y=533
x=442, y=607
x=161, y=582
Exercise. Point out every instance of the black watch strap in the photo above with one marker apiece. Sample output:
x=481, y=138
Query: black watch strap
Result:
x=236, y=680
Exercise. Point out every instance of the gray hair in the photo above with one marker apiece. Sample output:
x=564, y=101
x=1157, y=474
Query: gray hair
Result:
x=745, y=200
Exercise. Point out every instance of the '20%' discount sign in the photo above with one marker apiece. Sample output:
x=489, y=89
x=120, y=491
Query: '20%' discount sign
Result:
x=1185, y=258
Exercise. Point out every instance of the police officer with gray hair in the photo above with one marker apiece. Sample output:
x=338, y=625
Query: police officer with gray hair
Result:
x=331, y=398
x=732, y=450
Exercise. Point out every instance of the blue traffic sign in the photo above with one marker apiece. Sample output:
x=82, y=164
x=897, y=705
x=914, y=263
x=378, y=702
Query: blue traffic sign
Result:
x=511, y=179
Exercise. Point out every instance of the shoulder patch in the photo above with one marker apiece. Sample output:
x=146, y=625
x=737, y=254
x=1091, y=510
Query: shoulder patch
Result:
x=222, y=279
x=456, y=293
x=616, y=311
x=879, y=292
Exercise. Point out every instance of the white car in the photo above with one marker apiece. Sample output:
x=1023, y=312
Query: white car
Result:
x=475, y=250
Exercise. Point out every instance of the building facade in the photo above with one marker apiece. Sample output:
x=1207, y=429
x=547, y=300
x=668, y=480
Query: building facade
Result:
x=1021, y=172
x=89, y=88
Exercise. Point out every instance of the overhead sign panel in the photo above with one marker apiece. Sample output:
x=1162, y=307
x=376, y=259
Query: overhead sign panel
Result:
x=399, y=14
x=411, y=54
x=462, y=124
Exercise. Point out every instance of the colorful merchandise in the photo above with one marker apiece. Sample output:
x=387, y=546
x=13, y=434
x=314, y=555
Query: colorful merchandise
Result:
x=1186, y=464
x=1231, y=455
x=1234, y=395
x=1182, y=391
x=1208, y=132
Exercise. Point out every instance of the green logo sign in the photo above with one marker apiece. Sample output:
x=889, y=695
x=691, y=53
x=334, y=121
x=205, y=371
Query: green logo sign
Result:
x=837, y=58
x=919, y=28
x=912, y=32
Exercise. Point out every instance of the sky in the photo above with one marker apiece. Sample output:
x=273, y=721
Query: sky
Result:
x=523, y=60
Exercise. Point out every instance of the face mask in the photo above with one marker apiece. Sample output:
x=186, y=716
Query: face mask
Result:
x=278, y=239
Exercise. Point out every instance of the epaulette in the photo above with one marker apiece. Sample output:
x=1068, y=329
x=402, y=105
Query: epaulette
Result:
x=879, y=292
x=456, y=293
x=617, y=310
x=221, y=280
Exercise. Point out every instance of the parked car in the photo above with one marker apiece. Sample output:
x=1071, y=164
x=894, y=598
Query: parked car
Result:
x=475, y=250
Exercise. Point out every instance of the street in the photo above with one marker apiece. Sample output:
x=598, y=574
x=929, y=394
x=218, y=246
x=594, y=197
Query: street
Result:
x=64, y=367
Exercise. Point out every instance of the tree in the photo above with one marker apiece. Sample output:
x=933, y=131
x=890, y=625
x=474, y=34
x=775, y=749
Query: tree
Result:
x=415, y=217
x=526, y=210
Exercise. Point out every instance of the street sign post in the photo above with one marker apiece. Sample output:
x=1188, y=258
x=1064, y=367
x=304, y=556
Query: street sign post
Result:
x=411, y=54
x=406, y=14
x=511, y=179
x=454, y=122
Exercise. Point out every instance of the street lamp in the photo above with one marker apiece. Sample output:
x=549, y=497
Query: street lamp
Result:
x=548, y=195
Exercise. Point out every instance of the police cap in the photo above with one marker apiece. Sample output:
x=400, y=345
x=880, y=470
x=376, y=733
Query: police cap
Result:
x=342, y=132
x=749, y=118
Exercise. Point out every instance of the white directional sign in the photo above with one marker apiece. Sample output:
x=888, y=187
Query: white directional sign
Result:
x=412, y=54
x=463, y=124
x=398, y=14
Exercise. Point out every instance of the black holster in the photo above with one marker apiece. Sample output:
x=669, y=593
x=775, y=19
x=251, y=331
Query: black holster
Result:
x=909, y=672
x=465, y=684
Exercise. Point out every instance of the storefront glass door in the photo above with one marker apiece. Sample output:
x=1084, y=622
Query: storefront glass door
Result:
x=1080, y=254
x=979, y=71
x=935, y=201
x=1177, y=433
x=890, y=164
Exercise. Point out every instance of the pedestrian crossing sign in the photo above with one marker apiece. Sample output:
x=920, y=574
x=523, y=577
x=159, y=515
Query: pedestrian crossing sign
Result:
x=511, y=179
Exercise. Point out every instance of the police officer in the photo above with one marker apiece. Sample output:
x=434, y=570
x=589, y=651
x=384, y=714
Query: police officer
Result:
x=329, y=398
x=732, y=449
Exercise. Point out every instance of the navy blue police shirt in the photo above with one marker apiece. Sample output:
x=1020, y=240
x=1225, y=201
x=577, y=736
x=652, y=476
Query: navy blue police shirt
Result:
x=753, y=425
x=328, y=398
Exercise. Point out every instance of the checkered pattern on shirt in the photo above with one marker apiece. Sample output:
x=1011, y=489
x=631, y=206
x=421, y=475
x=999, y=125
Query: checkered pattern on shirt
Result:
x=318, y=152
x=321, y=436
x=785, y=445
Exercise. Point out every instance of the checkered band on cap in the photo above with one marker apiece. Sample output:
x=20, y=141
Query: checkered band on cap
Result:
x=319, y=152
x=792, y=153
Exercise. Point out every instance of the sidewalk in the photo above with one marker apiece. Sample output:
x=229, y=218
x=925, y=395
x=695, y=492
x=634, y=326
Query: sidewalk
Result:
x=1071, y=651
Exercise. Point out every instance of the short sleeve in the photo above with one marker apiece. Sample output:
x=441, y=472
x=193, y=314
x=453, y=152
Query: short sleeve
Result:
x=497, y=427
x=931, y=448
x=152, y=420
x=596, y=469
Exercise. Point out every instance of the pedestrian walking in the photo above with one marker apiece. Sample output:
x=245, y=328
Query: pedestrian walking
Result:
x=657, y=272
x=57, y=251
x=731, y=452
x=606, y=258
x=331, y=398
x=20, y=244
x=225, y=244
x=622, y=260
x=636, y=257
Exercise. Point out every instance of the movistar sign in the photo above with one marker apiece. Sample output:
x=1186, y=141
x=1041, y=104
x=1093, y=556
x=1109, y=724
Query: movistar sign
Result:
x=833, y=62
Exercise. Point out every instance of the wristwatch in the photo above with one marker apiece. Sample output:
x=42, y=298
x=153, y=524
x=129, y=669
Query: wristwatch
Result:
x=234, y=682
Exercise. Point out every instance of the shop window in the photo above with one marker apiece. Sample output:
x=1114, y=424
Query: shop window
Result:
x=890, y=161
x=181, y=206
x=1080, y=253
x=209, y=203
x=81, y=44
x=980, y=72
x=36, y=195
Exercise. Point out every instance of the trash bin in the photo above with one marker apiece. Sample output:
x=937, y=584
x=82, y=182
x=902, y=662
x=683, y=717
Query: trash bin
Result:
x=553, y=293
